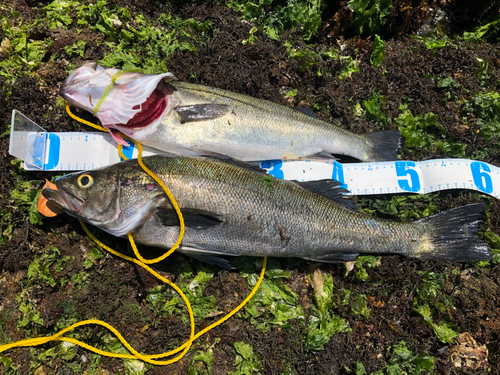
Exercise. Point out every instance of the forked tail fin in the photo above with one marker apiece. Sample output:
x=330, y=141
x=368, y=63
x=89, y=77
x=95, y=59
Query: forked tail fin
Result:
x=452, y=236
x=384, y=144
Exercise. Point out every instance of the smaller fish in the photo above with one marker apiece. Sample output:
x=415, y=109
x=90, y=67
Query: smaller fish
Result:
x=188, y=119
x=234, y=209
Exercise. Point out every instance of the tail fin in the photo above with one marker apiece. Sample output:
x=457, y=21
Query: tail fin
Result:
x=452, y=236
x=384, y=144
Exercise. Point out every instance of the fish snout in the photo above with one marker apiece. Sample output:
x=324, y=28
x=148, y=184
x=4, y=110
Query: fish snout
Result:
x=65, y=201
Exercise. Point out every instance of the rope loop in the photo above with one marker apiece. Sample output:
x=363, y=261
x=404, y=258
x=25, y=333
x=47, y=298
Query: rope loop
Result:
x=140, y=261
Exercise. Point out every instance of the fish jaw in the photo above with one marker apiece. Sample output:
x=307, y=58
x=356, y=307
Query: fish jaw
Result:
x=64, y=200
x=134, y=102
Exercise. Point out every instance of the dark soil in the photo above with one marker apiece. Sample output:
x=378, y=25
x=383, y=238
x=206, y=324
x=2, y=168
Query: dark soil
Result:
x=116, y=290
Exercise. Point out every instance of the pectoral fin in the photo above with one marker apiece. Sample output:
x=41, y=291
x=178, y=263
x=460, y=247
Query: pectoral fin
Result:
x=195, y=219
x=117, y=136
x=200, y=112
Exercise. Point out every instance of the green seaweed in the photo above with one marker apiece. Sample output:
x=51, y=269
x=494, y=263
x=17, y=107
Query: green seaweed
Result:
x=401, y=361
x=201, y=362
x=369, y=15
x=275, y=17
x=165, y=302
x=485, y=108
x=246, y=362
x=375, y=108
x=404, y=361
x=39, y=270
x=424, y=132
x=323, y=323
x=20, y=53
x=137, y=44
x=57, y=13
x=408, y=207
x=378, y=52
x=76, y=49
x=132, y=366
x=363, y=261
x=429, y=299
x=310, y=58
x=359, y=306
x=29, y=314
x=274, y=303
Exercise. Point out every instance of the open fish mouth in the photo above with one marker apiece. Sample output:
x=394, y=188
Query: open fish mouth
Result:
x=152, y=109
x=120, y=99
x=67, y=202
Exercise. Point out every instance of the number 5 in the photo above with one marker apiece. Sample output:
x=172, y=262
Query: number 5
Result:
x=402, y=170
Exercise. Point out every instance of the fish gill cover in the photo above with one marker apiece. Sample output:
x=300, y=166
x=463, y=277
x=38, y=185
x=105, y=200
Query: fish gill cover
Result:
x=439, y=87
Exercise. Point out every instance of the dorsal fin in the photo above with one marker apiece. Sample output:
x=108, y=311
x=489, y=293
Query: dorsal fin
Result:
x=331, y=189
x=306, y=111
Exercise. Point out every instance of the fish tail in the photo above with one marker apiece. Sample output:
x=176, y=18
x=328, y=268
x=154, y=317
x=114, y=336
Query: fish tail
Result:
x=383, y=145
x=451, y=236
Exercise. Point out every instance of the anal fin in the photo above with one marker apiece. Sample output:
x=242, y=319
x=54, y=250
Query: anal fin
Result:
x=340, y=257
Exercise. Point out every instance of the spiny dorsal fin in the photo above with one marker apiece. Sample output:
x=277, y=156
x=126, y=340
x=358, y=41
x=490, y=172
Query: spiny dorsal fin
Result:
x=330, y=189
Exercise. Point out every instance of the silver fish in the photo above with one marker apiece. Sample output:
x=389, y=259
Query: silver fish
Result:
x=188, y=119
x=232, y=208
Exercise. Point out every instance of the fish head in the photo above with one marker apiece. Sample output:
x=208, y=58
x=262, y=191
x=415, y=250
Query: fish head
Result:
x=132, y=101
x=117, y=200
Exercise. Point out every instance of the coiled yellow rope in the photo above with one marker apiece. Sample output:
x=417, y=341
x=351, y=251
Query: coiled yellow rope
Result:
x=143, y=263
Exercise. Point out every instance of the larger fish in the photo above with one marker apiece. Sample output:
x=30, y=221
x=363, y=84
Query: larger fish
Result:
x=231, y=208
x=189, y=119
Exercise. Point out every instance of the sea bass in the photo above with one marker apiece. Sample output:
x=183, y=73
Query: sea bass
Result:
x=233, y=208
x=188, y=119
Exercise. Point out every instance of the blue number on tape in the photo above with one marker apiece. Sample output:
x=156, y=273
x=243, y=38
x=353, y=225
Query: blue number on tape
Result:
x=338, y=174
x=402, y=170
x=54, y=147
x=274, y=168
x=482, y=179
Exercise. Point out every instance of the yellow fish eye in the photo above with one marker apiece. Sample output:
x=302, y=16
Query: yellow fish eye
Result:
x=85, y=181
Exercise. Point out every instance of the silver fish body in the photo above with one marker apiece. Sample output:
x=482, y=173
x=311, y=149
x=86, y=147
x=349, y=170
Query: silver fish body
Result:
x=190, y=119
x=233, y=209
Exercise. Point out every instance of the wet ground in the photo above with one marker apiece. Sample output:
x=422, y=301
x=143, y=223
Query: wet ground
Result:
x=115, y=291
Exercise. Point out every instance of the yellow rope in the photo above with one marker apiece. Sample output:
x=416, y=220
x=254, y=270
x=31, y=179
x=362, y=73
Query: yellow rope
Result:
x=143, y=263
x=79, y=119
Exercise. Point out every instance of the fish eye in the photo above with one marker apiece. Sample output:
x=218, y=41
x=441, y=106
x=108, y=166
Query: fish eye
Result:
x=85, y=181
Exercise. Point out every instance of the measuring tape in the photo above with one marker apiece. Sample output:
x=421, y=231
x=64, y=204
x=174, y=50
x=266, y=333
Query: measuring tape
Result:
x=75, y=151
x=392, y=177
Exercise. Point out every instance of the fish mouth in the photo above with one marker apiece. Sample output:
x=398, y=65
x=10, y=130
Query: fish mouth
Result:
x=119, y=99
x=64, y=200
x=152, y=109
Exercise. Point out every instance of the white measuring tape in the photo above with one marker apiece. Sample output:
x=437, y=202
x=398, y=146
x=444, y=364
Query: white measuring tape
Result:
x=75, y=151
